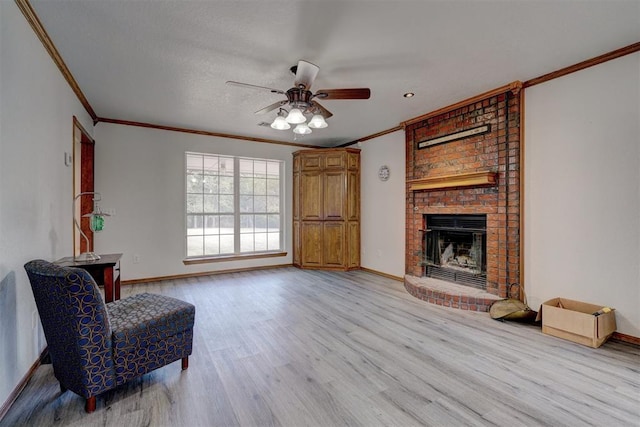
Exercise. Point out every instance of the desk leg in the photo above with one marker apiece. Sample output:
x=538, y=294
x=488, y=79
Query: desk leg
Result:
x=108, y=284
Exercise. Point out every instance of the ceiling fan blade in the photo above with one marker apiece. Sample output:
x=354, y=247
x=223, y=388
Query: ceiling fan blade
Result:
x=322, y=111
x=306, y=73
x=272, y=107
x=355, y=93
x=270, y=89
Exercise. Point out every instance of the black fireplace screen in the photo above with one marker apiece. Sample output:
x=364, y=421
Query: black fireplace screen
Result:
x=455, y=249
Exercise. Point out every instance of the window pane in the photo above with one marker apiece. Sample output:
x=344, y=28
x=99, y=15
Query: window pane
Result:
x=246, y=243
x=246, y=185
x=246, y=223
x=273, y=170
x=260, y=242
x=211, y=224
x=226, y=244
x=260, y=186
x=260, y=204
x=273, y=241
x=210, y=164
x=226, y=185
x=246, y=203
x=273, y=187
x=273, y=204
x=194, y=162
x=226, y=166
x=246, y=167
x=212, y=245
x=194, y=183
x=211, y=204
x=194, y=203
x=210, y=184
x=259, y=169
x=260, y=222
x=225, y=204
x=274, y=222
x=195, y=246
x=194, y=225
x=226, y=224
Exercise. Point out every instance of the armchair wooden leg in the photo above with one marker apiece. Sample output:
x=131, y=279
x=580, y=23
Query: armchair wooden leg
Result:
x=185, y=363
x=90, y=405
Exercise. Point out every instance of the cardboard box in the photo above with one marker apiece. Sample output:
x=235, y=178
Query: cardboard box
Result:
x=575, y=321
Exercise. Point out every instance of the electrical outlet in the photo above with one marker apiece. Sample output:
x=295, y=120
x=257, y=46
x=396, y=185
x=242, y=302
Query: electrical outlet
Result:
x=136, y=259
x=68, y=159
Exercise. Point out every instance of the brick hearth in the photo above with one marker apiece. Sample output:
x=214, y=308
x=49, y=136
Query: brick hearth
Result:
x=443, y=188
x=449, y=294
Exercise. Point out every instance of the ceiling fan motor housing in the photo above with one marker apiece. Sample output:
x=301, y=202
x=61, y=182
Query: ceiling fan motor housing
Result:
x=299, y=98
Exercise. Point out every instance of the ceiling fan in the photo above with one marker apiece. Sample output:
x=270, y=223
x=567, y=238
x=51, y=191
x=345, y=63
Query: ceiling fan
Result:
x=302, y=101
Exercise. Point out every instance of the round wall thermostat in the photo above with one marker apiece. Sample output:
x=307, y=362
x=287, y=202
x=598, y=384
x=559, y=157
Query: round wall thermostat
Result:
x=383, y=173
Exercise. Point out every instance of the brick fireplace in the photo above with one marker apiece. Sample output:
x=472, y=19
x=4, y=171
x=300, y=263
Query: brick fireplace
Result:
x=464, y=162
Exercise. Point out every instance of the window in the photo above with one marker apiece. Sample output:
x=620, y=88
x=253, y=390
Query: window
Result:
x=233, y=205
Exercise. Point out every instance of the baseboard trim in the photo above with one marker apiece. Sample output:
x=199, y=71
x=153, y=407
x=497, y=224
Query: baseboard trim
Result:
x=629, y=339
x=21, y=385
x=204, y=273
x=380, y=273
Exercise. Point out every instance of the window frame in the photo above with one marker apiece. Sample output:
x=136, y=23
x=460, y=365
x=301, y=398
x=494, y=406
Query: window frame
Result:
x=237, y=213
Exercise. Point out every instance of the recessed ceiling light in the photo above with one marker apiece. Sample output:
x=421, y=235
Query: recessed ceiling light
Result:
x=408, y=94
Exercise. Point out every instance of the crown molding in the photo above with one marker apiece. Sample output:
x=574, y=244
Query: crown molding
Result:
x=375, y=135
x=200, y=132
x=623, y=51
x=36, y=25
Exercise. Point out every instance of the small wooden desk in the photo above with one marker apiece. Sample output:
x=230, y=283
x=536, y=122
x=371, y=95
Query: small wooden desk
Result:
x=105, y=271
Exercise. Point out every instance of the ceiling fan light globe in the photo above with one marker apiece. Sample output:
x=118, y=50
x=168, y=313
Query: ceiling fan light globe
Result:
x=280, y=124
x=295, y=116
x=302, y=129
x=318, y=122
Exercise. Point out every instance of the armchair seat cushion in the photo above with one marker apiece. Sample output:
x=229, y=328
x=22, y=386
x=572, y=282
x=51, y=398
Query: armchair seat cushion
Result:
x=149, y=331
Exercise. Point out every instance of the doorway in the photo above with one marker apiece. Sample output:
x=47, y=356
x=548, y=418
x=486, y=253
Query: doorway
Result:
x=83, y=181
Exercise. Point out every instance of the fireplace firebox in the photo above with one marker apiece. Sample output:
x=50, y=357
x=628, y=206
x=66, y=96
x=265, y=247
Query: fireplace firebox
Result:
x=456, y=248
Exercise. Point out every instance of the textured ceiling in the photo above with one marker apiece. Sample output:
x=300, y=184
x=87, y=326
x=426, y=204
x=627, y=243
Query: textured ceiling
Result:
x=166, y=62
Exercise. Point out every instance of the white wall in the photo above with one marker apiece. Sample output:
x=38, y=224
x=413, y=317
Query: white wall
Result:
x=36, y=128
x=383, y=204
x=582, y=189
x=140, y=174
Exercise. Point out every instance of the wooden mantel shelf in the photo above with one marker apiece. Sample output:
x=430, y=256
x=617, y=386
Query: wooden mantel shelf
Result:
x=473, y=179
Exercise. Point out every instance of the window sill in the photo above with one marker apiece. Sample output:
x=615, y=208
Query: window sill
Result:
x=211, y=259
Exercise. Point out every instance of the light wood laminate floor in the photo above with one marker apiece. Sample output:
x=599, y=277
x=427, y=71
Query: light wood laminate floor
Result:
x=289, y=347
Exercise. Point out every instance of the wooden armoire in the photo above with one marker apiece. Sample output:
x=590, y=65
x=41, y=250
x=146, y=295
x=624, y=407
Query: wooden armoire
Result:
x=326, y=208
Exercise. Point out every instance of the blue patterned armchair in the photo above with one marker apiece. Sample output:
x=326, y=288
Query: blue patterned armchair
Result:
x=94, y=346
